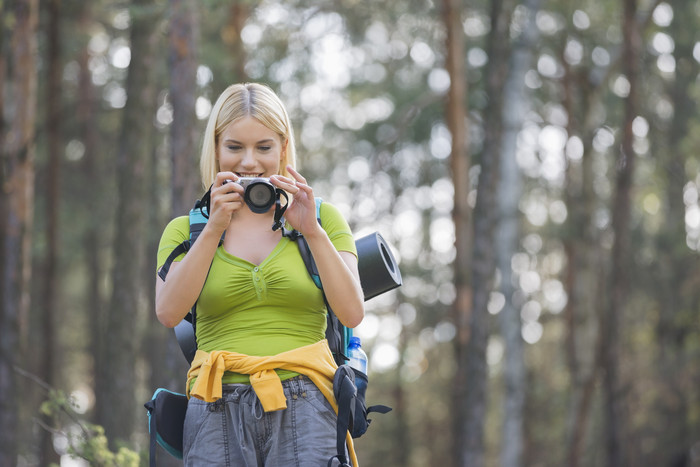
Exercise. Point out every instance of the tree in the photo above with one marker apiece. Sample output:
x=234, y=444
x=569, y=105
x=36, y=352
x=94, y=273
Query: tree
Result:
x=117, y=390
x=456, y=118
x=86, y=108
x=182, y=62
x=674, y=291
x=484, y=253
x=54, y=130
x=16, y=203
x=614, y=396
x=516, y=105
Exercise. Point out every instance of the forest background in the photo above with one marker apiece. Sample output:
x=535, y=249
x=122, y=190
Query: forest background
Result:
x=534, y=165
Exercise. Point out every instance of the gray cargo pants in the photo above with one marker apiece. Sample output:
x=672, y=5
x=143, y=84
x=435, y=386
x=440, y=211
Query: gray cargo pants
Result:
x=235, y=431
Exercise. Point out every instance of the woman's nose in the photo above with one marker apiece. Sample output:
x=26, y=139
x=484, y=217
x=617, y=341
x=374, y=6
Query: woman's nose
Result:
x=248, y=159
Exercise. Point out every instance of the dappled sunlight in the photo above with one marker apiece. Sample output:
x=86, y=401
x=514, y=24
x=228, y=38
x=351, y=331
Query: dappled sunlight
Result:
x=692, y=215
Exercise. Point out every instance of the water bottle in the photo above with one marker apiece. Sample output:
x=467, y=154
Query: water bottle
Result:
x=358, y=357
x=358, y=361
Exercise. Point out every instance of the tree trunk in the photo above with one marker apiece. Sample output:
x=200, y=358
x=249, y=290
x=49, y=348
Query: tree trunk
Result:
x=54, y=128
x=614, y=398
x=117, y=406
x=584, y=276
x=676, y=295
x=91, y=178
x=456, y=117
x=167, y=363
x=17, y=202
x=510, y=191
x=182, y=61
x=484, y=254
x=238, y=15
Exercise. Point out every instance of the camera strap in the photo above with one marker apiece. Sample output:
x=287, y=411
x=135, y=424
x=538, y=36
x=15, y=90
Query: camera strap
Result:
x=279, y=209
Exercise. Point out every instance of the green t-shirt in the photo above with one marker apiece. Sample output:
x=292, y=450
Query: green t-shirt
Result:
x=260, y=309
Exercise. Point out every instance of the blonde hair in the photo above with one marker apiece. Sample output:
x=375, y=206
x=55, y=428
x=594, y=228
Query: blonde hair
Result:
x=245, y=100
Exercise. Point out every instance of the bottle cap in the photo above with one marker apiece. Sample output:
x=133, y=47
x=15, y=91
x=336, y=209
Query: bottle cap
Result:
x=354, y=340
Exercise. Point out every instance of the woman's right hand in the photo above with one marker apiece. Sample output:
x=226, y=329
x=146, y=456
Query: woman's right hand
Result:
x=226, y=199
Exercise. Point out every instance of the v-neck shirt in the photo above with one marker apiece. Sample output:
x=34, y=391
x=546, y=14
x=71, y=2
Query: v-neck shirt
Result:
x=260, y=309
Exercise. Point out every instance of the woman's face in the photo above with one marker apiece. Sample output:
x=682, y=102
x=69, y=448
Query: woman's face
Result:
x=250, y=149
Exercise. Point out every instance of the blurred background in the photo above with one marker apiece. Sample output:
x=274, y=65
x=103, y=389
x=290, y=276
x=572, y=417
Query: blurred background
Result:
x=533, y=165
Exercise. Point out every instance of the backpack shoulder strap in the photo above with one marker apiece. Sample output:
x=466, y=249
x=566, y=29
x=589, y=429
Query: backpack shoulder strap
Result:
x=306, y=252
x=198, y=219
x=338, y=336
x=185, y=331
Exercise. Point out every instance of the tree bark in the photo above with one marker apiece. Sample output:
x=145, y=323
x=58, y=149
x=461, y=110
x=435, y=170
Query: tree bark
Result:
x=231, y=34
x=676, y=294
x=484, y=254
x=116, y=404
x=510, y=191
x=54, y=130
x=456, y=117
x=17, y=202
x=182, y=62
x=585, y=274
x=86, y=109
x=614, y=397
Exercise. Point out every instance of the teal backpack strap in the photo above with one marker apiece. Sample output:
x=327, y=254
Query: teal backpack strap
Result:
x=338, y=336
x=185, y=331
x=345, y=331
x=319, y=202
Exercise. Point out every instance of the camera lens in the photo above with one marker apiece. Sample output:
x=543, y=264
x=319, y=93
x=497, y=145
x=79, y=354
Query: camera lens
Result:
x=260, y=196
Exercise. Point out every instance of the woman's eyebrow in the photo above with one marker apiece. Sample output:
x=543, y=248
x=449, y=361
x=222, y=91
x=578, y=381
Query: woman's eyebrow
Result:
x=263, y=141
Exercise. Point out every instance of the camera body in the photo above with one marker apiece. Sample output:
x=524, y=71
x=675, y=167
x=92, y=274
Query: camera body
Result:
x=259, y=195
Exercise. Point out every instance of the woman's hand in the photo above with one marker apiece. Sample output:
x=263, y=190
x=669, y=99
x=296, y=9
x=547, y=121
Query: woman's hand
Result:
x=226, y=199
x=338, y=270
x=301, y=213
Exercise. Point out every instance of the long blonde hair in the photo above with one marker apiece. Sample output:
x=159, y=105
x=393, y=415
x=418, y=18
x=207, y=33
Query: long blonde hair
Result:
x=245, y=100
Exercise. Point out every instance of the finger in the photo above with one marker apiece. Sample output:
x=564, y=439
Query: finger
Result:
x=296, y=174
x=285, y=183
x=223, y=177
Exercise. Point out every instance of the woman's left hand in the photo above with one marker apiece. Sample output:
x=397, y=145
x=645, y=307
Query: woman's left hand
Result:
x=301, y=213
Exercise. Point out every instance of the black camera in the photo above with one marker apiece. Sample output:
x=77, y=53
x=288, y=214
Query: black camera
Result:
x=260, y=195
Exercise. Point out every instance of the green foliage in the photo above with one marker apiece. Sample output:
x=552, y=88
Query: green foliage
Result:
x=84, y=440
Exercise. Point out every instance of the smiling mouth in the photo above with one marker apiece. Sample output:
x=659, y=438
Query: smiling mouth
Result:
x=249, y=175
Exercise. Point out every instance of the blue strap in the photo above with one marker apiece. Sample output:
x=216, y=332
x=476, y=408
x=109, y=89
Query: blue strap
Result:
x=319, y=201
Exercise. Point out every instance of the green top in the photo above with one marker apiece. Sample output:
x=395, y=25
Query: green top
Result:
x=260, y=310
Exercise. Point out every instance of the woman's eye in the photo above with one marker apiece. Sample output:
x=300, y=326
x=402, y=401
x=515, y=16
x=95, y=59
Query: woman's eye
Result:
x=233, y=147
x=264, y=148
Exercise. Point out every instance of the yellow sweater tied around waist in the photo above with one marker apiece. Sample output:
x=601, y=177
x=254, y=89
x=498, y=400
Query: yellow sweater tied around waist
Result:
x=314, y=361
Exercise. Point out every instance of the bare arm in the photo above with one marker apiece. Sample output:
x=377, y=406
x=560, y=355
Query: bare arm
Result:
x=338, y=270
x=176, y=295
x=340, y=278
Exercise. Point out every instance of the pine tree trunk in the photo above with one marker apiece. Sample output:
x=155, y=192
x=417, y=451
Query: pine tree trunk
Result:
x=90, y=175
x=54, y=129
x=614, y=398
x=456, y=117
x=484, y=253
x=584, y=276
x=675, y=265
x=117, y=406
x=510, y=192
x=182, y=64
x=17, y=203
x=238, y=15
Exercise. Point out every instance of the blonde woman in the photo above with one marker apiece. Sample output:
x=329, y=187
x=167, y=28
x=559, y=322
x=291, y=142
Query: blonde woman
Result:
x=260, y=385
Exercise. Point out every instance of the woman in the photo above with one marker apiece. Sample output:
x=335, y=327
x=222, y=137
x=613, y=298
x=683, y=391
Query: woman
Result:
x=262, y=376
